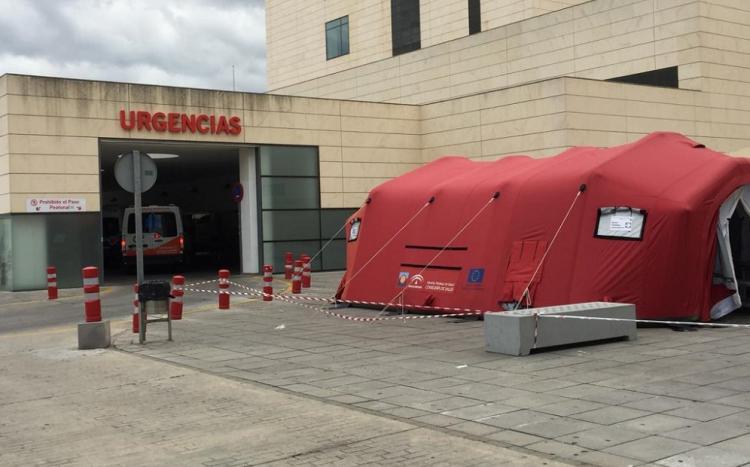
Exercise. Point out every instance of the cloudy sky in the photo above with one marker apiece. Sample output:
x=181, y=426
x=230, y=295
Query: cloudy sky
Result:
x=172, y=42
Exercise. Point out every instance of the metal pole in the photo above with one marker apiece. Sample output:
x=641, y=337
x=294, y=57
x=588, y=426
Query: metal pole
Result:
x=137, y=188
x=169, y=326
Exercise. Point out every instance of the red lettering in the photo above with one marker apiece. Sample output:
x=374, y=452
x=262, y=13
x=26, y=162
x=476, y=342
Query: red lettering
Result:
x=188, y=123
x=144, y=120
x=173, y=121
x=158, y=121
x=235, y=126
x=179, y=122
x=221, y=125
x=200, y=121
x=127, y=125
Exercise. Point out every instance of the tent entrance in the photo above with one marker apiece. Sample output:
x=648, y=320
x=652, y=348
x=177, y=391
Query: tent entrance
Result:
x=739, y=239
x=731, y=278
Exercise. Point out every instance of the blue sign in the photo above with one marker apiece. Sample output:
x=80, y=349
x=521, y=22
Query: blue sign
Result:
x=476, y=276
x=403, y=277
x=238, y=192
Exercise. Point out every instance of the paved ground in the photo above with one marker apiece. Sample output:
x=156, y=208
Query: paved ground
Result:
x=670, y=398
x=276, y=383
x=26, y=311
x=62, y=406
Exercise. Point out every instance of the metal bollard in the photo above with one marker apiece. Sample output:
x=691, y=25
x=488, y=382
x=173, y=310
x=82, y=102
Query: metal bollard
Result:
x=51, y=283
x=306, y=272
x=297, y=277
x=267, y=283
x=288, y=260
x=223, y=289
x=178, y=290
x=92, y=303
x=136, y=318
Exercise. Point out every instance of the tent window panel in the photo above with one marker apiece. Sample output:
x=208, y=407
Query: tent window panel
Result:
x=354, y=229
x=620, y=222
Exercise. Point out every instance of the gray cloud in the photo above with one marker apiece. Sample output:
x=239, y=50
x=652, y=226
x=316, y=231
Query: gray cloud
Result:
x=170, y=42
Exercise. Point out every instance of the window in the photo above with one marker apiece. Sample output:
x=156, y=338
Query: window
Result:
x=405, y=29
x=475, y=17
x=337, y=37
x=163, y=223
x=664, y=78
x=620, y=222
x=354, y=230
x=291, y=217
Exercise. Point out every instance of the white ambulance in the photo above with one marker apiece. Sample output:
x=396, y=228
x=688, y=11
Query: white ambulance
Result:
x=163, y=236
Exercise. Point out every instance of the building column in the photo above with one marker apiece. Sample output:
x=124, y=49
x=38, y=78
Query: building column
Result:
x=249, y=242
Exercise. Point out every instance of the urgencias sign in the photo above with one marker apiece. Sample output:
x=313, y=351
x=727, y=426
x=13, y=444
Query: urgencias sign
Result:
x=171, y=122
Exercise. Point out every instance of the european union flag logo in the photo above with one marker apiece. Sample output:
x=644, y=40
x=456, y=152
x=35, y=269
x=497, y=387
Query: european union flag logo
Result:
x=476, y=276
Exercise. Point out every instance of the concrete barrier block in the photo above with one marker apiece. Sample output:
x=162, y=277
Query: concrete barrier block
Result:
x=94, y=335
x=513, y=332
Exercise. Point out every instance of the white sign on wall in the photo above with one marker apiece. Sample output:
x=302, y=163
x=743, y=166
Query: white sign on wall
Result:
x=55, y=204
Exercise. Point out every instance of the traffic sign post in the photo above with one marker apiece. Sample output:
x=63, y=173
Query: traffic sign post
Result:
x=136, y=172
x=137, y=187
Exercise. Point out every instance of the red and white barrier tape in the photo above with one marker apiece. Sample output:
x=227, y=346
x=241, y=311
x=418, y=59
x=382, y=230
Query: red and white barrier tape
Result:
x=334, y=314
x=455, y=312
x=242, y=286
x=647, y=321
x=378, y=304
x=195, y=284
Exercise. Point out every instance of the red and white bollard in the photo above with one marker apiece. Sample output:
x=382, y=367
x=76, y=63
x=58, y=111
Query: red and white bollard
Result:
x=51, y=283
x=178, y=290
x=288, y=260
x=306, y=272
x=267, y=281
x=223, y=289
x=297, y=277
x=136, y=316
x=92, y=303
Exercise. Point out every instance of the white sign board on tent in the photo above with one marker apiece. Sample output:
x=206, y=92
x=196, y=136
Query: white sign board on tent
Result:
x=619, y=223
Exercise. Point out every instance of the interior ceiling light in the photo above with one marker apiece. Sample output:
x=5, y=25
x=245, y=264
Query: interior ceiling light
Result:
x=161, y=155
x=157, y=155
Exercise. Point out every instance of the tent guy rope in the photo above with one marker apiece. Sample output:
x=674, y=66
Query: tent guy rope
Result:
x=424, y=206
x=343, y=226
x=494, y=196
x=581, y=190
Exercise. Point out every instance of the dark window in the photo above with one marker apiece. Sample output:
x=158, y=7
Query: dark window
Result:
x=163, y=223
x=475, y=17
x=291, y=217
x=337, y=37
x=665, y=78
x=405, y=32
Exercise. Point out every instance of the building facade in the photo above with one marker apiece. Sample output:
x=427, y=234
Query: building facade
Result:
x=361, y=92
x=539, y=77
x=59, y=139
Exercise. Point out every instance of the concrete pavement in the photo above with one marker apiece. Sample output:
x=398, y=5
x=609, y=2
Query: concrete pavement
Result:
x=670, y=398
x=62, y=406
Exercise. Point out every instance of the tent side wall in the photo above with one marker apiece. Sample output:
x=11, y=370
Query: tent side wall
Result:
x=667, y=274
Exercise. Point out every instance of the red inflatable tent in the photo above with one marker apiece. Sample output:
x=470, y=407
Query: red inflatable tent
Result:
x=635, y=223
